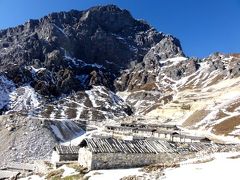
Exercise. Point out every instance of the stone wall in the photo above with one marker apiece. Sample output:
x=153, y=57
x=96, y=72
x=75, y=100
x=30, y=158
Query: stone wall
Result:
x=69, y=157
x=85, y=158
x=63, y=157
x=121, y=160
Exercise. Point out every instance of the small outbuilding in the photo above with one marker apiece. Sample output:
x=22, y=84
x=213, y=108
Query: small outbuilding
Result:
x=64, y=153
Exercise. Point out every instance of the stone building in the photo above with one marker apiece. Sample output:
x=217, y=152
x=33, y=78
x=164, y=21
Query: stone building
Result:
x=164, y=134
x=171, y=127
x=119, y=129
x=145, y=132
x=108, y=153
x=64, y=153
x=188, y=138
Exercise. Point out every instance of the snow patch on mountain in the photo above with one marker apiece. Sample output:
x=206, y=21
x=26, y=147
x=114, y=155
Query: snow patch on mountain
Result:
x=23, y=99
x=95, y=104
x=66, y=130
x=6, y=87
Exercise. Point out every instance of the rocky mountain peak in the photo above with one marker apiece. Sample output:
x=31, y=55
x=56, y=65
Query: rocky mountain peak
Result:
x=82, y=58
x=103, y=39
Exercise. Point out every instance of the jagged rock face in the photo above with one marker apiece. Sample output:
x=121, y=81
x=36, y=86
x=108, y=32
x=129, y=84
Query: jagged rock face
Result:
x=160, y=83
x=146, y=72
x=103, y=39
x=70, y=53
x=102, y=47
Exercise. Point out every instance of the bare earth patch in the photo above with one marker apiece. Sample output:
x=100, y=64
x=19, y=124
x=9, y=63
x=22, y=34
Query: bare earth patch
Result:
x=196, y=117
x=227, y=126
x=216, y=79
x=146, y=87
x=221, y=115
x=233, y=106
x=156, y=167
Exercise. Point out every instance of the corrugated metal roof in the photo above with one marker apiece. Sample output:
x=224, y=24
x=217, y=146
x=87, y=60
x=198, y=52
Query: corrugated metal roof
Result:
x=111, y=145
x=191, y=137
x=66, y=149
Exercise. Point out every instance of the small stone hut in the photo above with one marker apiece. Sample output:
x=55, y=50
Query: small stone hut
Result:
x=64, y=153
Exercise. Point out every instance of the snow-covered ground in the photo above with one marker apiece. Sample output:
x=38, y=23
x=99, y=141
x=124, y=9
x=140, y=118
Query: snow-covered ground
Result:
x=68, y=171
x=114, y=174
x=221, y=168
x=24, y=98
x=33, y=177
x=65, y=130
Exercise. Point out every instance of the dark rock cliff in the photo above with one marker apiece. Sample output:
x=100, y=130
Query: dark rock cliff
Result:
x=74, y=50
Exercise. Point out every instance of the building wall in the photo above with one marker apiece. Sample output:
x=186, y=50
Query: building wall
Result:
x=69, y=157
x=121, y=160
x=85, y=158
x=66, y=157
x=55, y=157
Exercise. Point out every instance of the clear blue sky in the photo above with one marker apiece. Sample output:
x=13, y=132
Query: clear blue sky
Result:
x=203, y=26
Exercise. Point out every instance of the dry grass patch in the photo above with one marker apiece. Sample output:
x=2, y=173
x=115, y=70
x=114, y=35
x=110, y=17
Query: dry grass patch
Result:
x=55, y=174
x=216, y=79
x=234, y=157
x=78, y=168
x=221, y=115
x=153, y=107
x=204, y=160
x=236, y=55
x=166, y=99
x=132, y=177
x=71, y=113
x=47, y=112
x=167, y=89
x=157, y=167
x=75, y=177
x=186, y=87
x=196, y=117
x=227, y=126
x=233, y=106
x=146, y=87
